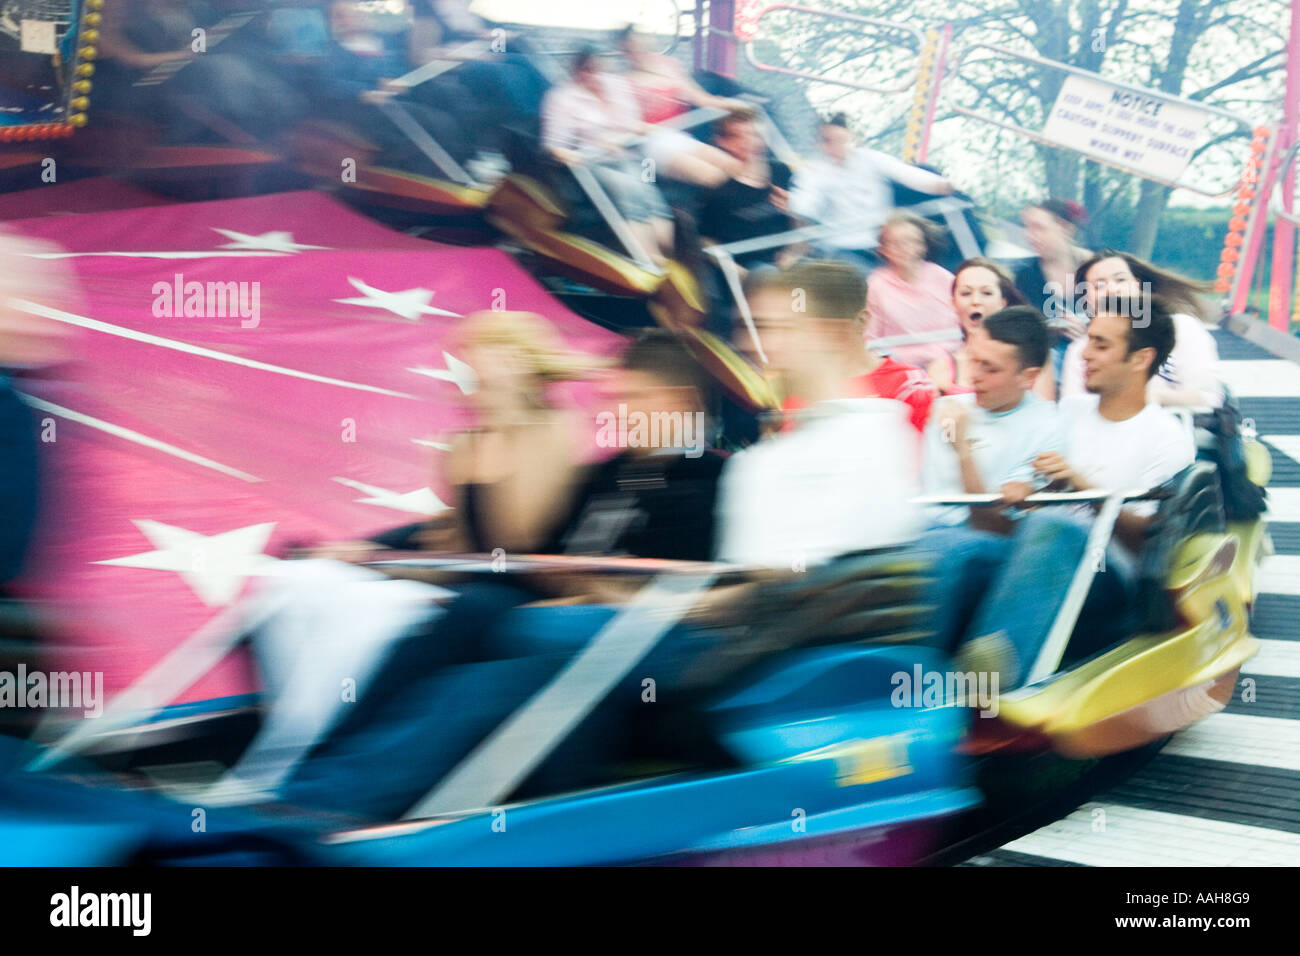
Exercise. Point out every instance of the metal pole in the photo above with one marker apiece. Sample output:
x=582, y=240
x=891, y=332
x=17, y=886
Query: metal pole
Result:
x=609, y=212
x=1279, y=299
x=936, y=85
x=699, y=36
x=1255, y=228
x=493, y=769
x=722, y=38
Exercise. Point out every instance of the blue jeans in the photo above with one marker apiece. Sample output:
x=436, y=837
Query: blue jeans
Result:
x=966, y=563
x=447, y=691
x=1028, y=590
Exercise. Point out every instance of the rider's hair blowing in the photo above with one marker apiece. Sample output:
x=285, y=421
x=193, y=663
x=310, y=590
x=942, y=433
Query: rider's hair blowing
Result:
x=1183, y=294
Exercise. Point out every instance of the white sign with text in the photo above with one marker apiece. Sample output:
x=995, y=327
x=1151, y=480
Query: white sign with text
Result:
x=1149, y=135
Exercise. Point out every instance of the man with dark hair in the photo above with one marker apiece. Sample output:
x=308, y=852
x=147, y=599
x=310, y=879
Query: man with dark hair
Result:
x=655, y=498
x=1114, y=438
x=837, y=288
x=990, y=438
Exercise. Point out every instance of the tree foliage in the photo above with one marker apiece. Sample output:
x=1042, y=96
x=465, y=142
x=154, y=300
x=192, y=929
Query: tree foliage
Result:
x=1225, y=53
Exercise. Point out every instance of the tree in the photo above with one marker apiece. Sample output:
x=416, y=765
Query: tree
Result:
x=1226, y=53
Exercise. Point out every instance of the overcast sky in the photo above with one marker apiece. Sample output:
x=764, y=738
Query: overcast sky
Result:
x=656, y=15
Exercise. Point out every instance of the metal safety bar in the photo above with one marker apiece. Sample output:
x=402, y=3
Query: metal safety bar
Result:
x=431, y=148
x=885, y=343
x=217, y=33
x=725, y=255
x=903, y=85
x=943, y=205
x=1007, y=52
x=993, y=498
x=493, y=769
x=441, y=62
x=609, y=212
x=1099, y=535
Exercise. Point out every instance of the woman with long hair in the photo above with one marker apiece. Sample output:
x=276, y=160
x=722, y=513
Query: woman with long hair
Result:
x=980, y=287
x=518, y=464
x=590, y=120
x=1190, y=375
x=514, y=470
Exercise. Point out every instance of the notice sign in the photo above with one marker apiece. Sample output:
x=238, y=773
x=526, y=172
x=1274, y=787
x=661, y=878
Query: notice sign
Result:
x=1151, y=136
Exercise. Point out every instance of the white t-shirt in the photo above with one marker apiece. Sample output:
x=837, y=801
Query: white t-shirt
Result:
x=1004, y=445
x=841, y=481
x=858, y=193
x=1139, y=453
x=1193, y=363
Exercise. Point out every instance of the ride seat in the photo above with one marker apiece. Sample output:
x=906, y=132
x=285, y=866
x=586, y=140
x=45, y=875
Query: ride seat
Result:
x=1193, y=505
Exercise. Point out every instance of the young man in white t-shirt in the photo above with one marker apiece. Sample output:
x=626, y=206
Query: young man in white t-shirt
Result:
x=841, y=480
x=1113, y=440
x=987, y=439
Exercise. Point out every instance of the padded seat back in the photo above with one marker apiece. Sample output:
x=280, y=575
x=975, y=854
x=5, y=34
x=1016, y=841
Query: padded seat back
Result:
x=1194, y=505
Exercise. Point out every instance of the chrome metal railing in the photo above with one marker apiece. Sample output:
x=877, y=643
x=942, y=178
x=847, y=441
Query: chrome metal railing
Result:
x=725, y=255
x=1099, y=536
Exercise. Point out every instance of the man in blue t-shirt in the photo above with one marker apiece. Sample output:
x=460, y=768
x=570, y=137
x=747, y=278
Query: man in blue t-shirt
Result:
x=986, y=440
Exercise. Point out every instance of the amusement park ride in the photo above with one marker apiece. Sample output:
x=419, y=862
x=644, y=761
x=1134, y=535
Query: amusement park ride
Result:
x=869, y=769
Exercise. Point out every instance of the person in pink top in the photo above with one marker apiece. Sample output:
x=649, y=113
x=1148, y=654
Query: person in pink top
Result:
x=910, y=295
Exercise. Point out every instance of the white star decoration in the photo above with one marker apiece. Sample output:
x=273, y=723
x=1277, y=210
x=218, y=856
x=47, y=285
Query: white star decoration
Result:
x=410, y=304
x=421, y=501
x=430, y=443
x=214, y=566
x=456, y=372
x=266, y=242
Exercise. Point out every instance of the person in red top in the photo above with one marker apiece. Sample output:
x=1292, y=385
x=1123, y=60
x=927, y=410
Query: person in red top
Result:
x=883, y=377
x=664, y=90
x=886, y=378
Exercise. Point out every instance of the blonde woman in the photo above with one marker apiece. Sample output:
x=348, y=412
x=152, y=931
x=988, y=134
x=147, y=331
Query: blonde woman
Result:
x=515, y=469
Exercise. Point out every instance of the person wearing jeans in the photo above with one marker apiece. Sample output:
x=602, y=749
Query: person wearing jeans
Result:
x=1114, y=441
